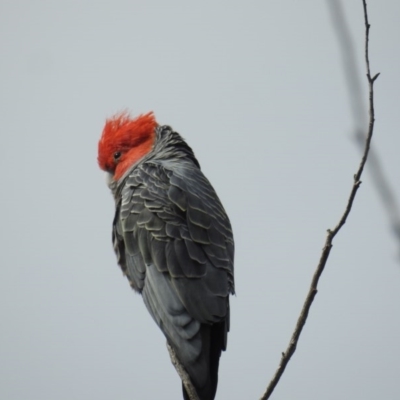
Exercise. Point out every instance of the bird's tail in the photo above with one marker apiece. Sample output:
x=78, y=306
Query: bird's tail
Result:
x=213, y=342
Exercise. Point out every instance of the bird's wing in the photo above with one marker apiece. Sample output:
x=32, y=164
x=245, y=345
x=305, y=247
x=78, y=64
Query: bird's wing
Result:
x=175, y=244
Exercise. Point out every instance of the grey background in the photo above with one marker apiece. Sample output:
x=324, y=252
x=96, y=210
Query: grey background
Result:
x=258, y=90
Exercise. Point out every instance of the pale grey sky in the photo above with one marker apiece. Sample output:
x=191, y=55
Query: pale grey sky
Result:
x=257, y=89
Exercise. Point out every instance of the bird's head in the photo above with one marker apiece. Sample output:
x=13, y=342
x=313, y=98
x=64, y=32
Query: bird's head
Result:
x=124, y=141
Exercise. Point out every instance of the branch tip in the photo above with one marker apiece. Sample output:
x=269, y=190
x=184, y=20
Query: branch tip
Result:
x=375, y=77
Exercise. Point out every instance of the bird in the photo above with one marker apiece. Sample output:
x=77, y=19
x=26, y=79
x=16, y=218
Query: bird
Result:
x=173, y=240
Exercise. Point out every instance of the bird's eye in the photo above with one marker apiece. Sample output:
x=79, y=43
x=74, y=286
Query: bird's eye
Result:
x=117, y=155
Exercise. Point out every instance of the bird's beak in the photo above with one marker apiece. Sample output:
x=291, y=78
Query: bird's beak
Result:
x=109, y=178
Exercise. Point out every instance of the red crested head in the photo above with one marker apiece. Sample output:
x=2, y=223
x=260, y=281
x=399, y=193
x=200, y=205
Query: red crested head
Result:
x=125, y=141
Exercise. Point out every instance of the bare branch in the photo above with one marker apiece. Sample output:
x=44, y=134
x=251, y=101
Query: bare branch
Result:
x=190, y=389
x=286, y=356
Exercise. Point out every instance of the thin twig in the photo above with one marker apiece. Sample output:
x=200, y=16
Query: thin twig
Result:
x=190, y=389
x=354, y=86
x=286, y=356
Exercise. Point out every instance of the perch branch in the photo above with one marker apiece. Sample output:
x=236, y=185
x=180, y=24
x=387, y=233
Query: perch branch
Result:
x=191, y=391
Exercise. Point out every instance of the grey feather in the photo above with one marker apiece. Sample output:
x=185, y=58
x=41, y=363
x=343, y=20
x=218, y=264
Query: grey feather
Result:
x=174, y=242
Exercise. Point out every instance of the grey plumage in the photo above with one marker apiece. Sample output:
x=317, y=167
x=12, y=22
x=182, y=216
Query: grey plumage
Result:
x=174, y=243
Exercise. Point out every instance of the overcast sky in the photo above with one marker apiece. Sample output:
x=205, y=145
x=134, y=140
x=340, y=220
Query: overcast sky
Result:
x=258, y=90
